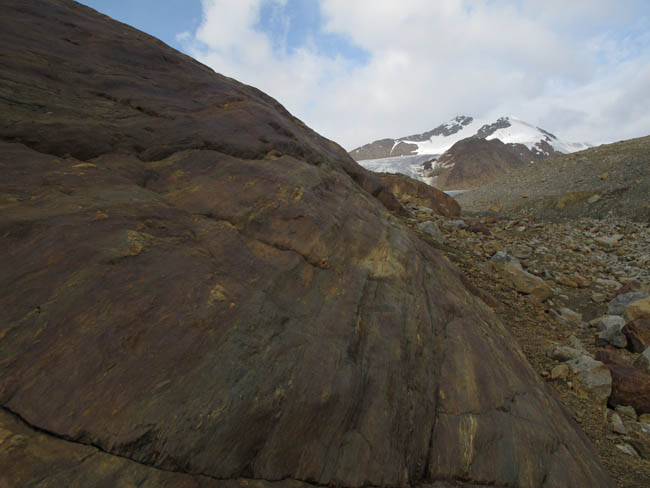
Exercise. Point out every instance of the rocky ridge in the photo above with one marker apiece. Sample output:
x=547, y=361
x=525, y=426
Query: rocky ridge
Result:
x=198, y=290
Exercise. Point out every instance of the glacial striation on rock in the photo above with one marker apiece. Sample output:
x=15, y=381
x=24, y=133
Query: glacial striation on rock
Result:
x=198, y=290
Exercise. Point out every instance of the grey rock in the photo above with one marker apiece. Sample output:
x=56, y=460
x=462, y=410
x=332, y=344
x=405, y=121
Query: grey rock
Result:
x=627, y=449
x=616, y=424
x=593, y=376
x=432, y=229
x=564, y=353
x=617, y=305
x=612, y=334
x=607, y=321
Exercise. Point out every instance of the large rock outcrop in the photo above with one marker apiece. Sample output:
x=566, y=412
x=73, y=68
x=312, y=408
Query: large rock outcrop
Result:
x=198, y=290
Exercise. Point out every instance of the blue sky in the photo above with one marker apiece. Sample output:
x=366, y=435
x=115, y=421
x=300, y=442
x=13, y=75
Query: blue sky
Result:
x=163, y=19
x=299, y=23
x=360, y=70
x=290, y=25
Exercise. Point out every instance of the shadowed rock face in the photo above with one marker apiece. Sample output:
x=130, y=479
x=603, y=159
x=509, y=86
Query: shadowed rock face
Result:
x=195, y=288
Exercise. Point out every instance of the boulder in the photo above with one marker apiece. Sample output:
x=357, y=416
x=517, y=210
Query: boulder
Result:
x=612, y=334
x=629, y=385
x=431, y=228
x=593, y=377
x=199, y=290
x=638, y=335
x=618, y=305
x=519, y=279
x=609, y=321
x=638, y=310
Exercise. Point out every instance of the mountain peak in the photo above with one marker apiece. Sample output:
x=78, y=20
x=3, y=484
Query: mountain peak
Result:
x=421, y=155
x=509, y=129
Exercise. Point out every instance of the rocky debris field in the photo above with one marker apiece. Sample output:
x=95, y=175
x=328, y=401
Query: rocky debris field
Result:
x=575, y=296
x=608, y=180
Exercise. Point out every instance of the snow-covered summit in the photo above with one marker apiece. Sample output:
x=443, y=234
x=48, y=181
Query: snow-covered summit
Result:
x=464, y=151
x=510, y=130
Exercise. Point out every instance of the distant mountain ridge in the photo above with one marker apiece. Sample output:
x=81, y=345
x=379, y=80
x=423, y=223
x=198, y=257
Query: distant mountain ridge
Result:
x=510, y=130
x=464, y=152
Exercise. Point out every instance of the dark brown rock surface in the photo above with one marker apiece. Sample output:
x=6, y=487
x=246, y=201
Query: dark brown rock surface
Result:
x=638, y=335
x=629, y=385
x=198, y=290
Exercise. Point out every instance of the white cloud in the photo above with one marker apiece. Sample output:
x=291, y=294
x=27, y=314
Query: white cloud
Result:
x=429, y=61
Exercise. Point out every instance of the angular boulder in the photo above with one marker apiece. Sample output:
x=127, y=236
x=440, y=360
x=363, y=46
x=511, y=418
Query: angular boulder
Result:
x=612, y=334
x=592, y=376
x=619, y=303
x=198, y=290
x=638, y=335
x=638, y=310
x=519, y=279
x=629, y=385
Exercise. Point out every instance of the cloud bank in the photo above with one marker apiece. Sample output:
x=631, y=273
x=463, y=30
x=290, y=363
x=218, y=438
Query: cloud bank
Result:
x=580, y=69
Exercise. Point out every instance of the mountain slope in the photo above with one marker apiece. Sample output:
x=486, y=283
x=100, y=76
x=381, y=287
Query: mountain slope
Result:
x=609, y=179
x=470, y=163
x=198, y=290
